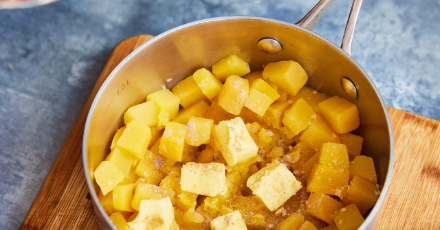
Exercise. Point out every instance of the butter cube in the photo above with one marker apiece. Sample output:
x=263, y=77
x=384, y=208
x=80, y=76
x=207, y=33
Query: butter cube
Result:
x=107, y=176
x=274, y=184
x=145, y=113
x=135, y=139
x=230, y=221
x=166, y=101
x=204, y=179
x=234, y=141
x=154, y=214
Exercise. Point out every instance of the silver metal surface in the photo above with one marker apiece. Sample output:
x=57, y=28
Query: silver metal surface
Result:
x=351, y=24
x=349, y=88
x=19, y=4
x=270, y=45
x=312, y=18
x=171, y=56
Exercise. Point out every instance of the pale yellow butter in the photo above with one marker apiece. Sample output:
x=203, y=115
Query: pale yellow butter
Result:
x=234, y=141
x=274, y=184
x=230, y=221
x=204, y=179
x=154, y=215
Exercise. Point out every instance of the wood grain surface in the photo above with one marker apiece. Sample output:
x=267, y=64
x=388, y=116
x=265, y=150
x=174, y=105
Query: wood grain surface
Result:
x=412, y=202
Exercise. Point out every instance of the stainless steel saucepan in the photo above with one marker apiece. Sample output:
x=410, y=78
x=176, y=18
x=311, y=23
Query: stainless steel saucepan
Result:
x=168, y=58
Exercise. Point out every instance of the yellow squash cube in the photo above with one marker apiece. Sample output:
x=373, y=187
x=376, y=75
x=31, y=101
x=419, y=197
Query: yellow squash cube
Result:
x=353, y=143
x=274, y=114
x=199, y=109
x=299, y=116
x=173, y=141
x=230, y=65
x=348, y=218
x=186, y=200
x=192, y=217
x=233, y=94
x=119, y=220
x=115, y=139
x=330, y=227
x=135, y=139
x=268, y=183
x=363, y=167
x=211, y=155
x=309, y=164
x=155, y=135
x=107, y=176
x=145, y=113
x=107, y=202
x=188, y=91
x=287, y=75
x=166, y=101
x=264, y=88
x=204, y=179
x=198, y=131
x=253, y=76
x=122, y=196
x=329, y=180
x=258, y=102
x=307, y=226
x=362, y=193
x=217, y=113
x=230, y=221
x=317, y=133
x=164, y=118
x=322, y=206
x=334, y=154
x=122, y=159
x=294, y=221
x=311, y=96
x=341, y=115
x=146, y=191
x=207, y=82
x=148, y=172
x=130, y=179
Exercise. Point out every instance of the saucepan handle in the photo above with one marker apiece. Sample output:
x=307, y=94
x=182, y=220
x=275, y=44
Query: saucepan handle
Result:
x=311, y=19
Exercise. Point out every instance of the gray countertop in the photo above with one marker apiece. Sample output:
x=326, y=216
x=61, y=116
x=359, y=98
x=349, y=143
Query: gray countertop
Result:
x=51, y=56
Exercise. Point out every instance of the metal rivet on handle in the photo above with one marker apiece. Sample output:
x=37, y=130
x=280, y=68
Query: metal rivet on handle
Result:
x=349, y=88
x=270, y=45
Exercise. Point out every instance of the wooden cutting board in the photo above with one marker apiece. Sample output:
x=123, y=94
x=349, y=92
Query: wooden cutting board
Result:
x=412, y=202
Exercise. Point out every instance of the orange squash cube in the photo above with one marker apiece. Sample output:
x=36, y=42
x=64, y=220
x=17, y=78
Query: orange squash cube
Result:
x=188, y=91
x=173, y=141
x=317, y=133
x=199, y=109
x=299, y=116
x=341, y=115
x=274, y=114
x=353, y=143
x=198, y=131
x=287, y=75
x=209, y=85
x=146, y=191
x=307, y=226
x=328, y=180
x=311, y=96
x=362, y=193
x=363, y=167
x=348, y=218
x=166, y=101
x=263, y=87
x=294, y=221
x=322, y=206
x=233, y=94
x=334, y=154
x=230, y=65
x=258, y=102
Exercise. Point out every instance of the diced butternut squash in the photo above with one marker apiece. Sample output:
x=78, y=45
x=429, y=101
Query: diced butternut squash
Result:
x=309, y=164
x=173, y=141
x=263, y=87
x=198, y=131
x=299, y=116
x=119, y=220
x=122, y=196
x=328, y=180
x=122, y=159
x=155, y=135
x=208, y=83
x=353, y=143
x=186, y=200
x=217, y=113
x=258, y=102
x=322, y=206
x=146, y=191
x=130, y=179
x=107, y=176
x=253, y=76
x=363, y=167
x=274, y=114
x=192, y=217
x=135, y=139
x=334, y=154
x=348, y=218
x=115, y=139
x=258, y=221
x=287, y=75
x=107, y=202
x=148, y=172
x=166, y=101
x=199, y=109
x=276, y=152
x=311, y=96
x=293, y=222
x=211, y=155
x=330, y=227
x=341, y=115
x=317, y=133
x=164, y=118
x=307, y=226
x=362, y=193
x=145, y=113
x=188, y=91
x=230, y=65
x=233, y=94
